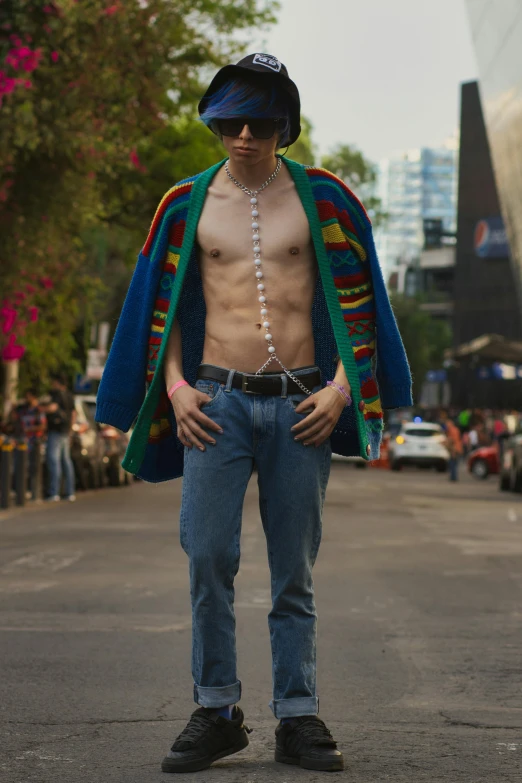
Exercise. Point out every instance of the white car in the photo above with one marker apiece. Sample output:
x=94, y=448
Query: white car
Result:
x=421, y=444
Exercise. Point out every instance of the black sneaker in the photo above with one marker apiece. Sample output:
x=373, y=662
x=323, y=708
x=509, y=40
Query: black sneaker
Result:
x=306, y=741
x=206, y=738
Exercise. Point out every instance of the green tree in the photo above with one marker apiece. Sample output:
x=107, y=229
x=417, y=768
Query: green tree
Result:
x=303, y=150
x=425, y=338
x=349, y=164
x=95, y=98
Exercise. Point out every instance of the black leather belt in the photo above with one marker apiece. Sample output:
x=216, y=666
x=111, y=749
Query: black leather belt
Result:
x=266, y=383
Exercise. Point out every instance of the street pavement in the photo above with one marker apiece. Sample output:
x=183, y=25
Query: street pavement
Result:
x=419, y=588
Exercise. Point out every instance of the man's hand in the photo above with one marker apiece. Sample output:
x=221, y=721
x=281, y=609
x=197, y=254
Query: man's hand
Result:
x=187, y=402
x=327, y=406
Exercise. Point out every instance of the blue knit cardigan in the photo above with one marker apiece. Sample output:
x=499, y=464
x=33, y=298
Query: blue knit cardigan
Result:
x=351, y=319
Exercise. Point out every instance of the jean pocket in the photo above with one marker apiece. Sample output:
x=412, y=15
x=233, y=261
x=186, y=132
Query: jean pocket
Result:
x=295, y=399
x=214, y=389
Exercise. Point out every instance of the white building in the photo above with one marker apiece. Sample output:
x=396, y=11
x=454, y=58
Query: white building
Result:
x=412, y=186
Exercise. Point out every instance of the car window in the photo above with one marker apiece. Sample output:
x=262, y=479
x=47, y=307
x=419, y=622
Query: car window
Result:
x=421, y=433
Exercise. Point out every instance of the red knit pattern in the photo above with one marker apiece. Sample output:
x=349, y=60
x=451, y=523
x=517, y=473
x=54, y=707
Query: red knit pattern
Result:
x=160, y=212
x=326, y=210
x=346, y=221
x=176, y=233
x=369, y=389
x=351, y=281
x=312, y=171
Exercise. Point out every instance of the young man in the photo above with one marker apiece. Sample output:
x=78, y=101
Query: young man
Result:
x=252, y=316
x=61, y=415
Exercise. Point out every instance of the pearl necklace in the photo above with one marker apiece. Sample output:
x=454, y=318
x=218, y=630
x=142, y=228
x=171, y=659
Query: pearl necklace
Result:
x=257, y=263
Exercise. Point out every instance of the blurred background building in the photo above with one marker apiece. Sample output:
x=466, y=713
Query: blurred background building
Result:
x=496, y=29
x=414, y=186
x=487, y=320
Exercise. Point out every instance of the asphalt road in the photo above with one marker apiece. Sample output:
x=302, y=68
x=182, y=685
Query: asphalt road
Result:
x=419, y=588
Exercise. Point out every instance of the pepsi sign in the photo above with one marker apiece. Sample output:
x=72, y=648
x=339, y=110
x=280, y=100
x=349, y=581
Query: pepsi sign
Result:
x=490, y=239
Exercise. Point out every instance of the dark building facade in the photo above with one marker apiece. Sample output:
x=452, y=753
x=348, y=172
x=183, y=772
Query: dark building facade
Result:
x=485, y=294
x=485, y=285
x=496, y=29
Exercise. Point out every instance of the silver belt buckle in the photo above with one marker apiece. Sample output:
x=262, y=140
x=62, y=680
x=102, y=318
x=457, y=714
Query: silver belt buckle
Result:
x=244, y=385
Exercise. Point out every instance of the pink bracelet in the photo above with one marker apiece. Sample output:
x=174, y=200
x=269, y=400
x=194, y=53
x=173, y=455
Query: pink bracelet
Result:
x=342, y=391
x=174, y=387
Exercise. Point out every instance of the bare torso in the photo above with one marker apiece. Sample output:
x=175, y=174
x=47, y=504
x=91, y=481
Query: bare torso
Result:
x=234, y=336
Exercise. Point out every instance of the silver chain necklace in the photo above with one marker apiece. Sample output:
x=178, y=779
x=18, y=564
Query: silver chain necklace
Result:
x=259, y=274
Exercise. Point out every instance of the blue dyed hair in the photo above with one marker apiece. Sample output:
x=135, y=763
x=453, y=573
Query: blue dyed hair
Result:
x=237, y=98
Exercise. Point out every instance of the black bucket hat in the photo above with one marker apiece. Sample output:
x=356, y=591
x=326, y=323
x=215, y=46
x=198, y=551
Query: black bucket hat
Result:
x=265, y=70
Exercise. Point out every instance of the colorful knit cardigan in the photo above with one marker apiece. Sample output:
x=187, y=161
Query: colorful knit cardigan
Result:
x=351, y=319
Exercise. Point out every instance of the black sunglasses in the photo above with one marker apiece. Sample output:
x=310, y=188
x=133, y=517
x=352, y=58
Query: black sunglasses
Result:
x=260, y=127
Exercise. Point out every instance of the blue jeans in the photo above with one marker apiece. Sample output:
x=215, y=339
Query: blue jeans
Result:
x=292, y=481
x=58, y=454
x=453, y=464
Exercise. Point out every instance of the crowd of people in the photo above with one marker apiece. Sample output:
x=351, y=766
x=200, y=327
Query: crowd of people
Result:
x=471, y=428
x=51, y=417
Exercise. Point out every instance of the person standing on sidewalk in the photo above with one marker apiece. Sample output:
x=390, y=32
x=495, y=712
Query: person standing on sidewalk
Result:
x=252, y=317
x=30, y=424
x=61, y=415
x=453, y=444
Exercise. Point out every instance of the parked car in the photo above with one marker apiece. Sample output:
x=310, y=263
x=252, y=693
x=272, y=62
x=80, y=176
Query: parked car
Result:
x=484, y=461
x=113, y=446
x=87, y=446
x=511, y=464
x=421, y=444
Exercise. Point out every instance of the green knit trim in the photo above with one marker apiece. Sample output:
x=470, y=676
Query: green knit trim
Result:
x=350, y=234
x=304, y=188
x=140, y=436
x=329, y=222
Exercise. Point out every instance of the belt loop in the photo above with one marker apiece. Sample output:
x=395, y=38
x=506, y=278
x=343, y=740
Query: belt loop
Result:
x=284, y=385
x=228, y=387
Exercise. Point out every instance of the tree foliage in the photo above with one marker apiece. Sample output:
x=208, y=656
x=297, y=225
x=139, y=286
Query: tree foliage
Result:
x=425, y=338
x=95, y=100
x=303, y=150
x=349, y=164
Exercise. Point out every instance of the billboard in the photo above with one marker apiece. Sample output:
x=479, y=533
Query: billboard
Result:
x=490, y=239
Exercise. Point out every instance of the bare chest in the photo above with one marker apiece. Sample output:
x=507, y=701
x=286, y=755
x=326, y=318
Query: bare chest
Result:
x=225, y=232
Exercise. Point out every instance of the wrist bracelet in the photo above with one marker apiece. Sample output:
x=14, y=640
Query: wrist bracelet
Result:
x=342, y=391
x=174, y=387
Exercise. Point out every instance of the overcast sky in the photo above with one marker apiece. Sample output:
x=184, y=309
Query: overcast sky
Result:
x=381, y=74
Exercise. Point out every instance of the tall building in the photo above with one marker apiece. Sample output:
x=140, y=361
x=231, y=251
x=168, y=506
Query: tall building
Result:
x=496, y=28
x=414, y=186
x=485, y=295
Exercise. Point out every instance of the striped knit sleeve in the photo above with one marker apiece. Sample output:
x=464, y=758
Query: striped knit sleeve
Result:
x=123, y=384
x=392, y=369
x=124, y=380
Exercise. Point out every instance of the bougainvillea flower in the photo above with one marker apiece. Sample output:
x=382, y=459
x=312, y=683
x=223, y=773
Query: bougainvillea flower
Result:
x=11, y=352
x=8, y=315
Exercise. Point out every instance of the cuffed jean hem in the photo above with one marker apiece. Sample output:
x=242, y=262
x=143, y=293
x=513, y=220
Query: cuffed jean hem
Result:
x=292, y=708
x=217, y=697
